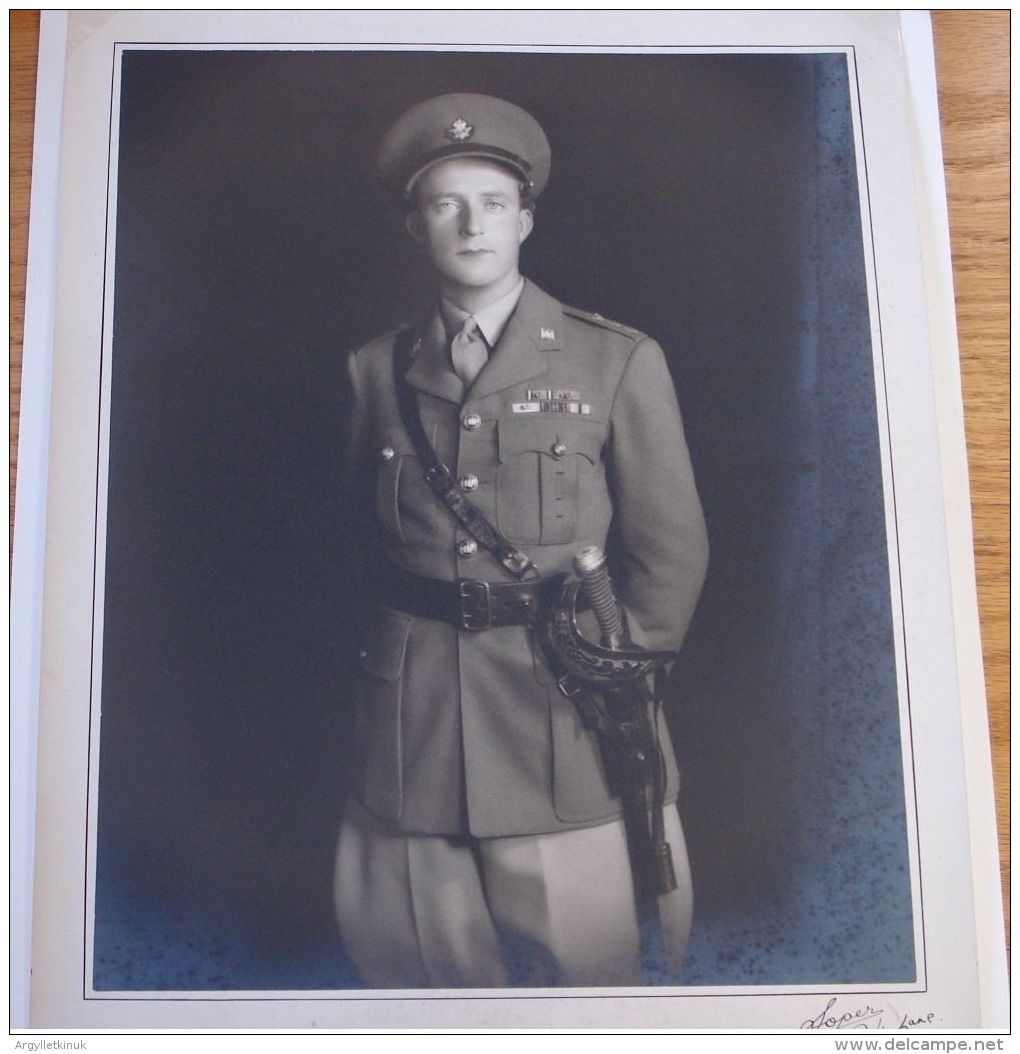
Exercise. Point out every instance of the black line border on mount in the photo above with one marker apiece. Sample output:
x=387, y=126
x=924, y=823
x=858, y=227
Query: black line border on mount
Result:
x=352, y=995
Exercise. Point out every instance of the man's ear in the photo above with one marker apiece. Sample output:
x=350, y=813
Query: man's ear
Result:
x=527, y=223
x=414, y=225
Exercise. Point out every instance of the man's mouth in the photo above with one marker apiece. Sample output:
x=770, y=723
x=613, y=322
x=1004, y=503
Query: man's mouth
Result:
x=474, y=252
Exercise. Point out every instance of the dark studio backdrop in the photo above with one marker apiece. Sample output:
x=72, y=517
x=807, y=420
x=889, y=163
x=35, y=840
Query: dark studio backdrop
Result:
x=710, y=200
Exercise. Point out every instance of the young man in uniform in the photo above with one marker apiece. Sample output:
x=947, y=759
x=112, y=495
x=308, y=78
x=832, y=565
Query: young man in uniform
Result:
x=482, y=816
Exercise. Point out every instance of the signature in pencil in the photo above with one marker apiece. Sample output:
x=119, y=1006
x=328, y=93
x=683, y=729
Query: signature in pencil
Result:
x=835, y=1016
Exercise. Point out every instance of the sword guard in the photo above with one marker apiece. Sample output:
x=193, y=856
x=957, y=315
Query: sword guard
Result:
x=594, y=665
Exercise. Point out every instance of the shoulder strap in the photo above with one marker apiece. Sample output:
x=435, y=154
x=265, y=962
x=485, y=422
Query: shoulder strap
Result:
x=439, y=477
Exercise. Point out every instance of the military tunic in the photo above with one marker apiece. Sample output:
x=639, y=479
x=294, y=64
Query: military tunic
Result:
x=570, y=436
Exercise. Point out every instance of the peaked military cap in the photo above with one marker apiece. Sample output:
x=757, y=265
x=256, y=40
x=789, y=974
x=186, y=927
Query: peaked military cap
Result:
x=464, y=125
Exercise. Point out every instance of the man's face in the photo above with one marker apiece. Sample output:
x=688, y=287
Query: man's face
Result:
x=469, y=217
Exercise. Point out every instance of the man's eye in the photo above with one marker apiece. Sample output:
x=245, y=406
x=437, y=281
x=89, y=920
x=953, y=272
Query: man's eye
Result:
x=494, y=206
x=445, y=206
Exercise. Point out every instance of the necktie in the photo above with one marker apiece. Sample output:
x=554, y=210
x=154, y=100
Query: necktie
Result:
x=468, y=351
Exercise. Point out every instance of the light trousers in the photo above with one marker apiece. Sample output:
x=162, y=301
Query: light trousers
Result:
x=428, y=911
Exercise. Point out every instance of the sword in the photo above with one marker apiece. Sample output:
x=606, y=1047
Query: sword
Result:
x=591, y=568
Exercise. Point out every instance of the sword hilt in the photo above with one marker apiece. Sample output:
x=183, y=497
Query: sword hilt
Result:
x=590, y=566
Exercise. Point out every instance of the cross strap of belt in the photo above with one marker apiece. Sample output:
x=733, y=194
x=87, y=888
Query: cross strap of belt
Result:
x=440, y=478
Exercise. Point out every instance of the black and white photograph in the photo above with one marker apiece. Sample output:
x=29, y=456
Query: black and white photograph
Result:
x=499, y=550
x=278, y=210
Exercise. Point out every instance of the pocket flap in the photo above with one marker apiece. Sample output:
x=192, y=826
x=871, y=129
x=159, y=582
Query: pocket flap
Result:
x=385, y=646
x=548, y=433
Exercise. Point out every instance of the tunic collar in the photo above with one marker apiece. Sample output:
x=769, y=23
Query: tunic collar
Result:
x=533, y=328
x=491, y=320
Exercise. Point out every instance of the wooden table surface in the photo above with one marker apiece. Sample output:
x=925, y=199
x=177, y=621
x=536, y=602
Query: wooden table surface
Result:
x=972, y=55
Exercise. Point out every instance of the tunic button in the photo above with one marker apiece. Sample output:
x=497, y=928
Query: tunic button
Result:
x=559, y=449
x=471, y=422
x=363, y=653
x=468, y=482
x=468, y=547
x=387, y=453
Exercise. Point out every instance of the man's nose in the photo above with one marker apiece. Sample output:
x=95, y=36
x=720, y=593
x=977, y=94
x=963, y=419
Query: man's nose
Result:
x=471, y=220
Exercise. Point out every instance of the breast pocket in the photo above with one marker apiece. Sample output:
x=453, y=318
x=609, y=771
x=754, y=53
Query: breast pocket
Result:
x=402, y=497
x=544, y=464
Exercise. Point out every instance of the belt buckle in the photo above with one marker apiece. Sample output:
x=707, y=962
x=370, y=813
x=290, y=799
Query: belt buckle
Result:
x=475, y=609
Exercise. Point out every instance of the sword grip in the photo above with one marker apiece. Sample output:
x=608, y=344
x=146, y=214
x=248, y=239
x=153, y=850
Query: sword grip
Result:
x=590, y=567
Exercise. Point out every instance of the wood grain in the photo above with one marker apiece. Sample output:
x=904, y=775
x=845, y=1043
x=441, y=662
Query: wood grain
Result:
x=972, y=56
x=24, y=36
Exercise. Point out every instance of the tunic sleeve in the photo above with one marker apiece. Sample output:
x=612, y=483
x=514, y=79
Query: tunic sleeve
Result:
x=357, y=490
x=658, y=546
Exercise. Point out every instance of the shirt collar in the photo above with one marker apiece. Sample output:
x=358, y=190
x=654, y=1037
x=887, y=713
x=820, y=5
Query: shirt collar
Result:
x=491, y=320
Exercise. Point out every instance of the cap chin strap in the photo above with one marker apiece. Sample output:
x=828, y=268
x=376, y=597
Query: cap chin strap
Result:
x=498, y=155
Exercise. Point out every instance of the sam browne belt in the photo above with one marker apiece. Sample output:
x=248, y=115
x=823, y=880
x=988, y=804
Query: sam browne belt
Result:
x=470, y=604
x=607, y=683
x=438, y=476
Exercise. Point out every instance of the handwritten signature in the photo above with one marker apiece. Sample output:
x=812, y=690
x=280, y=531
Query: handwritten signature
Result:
x=833, y=1016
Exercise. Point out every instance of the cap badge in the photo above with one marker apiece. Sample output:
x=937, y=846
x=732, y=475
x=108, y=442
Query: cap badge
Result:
x=460, y=130
x=545, y=333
